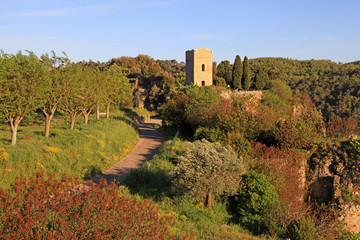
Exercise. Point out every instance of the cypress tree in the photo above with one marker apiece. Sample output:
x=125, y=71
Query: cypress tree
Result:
x=224, y=71
x=246, y=74
x=261, y=78
x=237, y=73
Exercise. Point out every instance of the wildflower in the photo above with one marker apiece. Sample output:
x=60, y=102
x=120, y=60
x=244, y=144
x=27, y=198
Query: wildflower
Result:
x=88, y=136
x=102, y=143
x=40, y=165
x=4, y=155
x=52, y=149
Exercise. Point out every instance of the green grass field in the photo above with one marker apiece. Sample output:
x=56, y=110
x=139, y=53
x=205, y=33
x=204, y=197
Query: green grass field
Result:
x=82, y=152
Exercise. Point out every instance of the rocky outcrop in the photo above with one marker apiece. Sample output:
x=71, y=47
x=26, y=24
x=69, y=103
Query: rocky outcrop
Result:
x=334, y=178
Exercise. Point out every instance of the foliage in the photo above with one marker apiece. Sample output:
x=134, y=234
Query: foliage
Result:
x=23, y=86
x=246, y=77
x=237, y=73
x=353, y=149
x=151, y=180
x=282, y=168
x=302, y=229
x=219, y=81
x=199, y=109
x=261, y=79
x=332, y=86
x=173, y=112
x=59, y=86
x=205, y=169
x=210, y=134
x=337, y=126
x=48, y=209
x=224, y=71
x=255, y=203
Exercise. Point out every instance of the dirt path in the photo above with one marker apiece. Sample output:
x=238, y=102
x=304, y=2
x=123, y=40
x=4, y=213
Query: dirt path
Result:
x=149, y=144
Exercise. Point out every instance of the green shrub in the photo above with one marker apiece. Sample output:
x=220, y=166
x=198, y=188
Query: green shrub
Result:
x=210, y=134
x=301, y=229
x=255, y=203
x=151, y=180
x=207, y=169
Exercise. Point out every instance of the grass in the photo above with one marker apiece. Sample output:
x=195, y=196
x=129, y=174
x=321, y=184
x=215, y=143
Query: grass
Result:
x=82, y=152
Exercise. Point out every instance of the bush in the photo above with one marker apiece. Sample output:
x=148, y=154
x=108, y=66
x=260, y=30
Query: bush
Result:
x=207, y=169
x=255, y=204
x=302, y=229
x=210, y=134
x=151, y=180
x=47, y=209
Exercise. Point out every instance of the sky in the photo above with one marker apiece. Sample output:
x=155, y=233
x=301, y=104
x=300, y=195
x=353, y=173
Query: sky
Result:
x=165, y=29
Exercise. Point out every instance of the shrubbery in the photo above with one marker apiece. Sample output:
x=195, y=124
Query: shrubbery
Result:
x=255, y=204
x=48, y=209
x=302, y=229
x=207, y=169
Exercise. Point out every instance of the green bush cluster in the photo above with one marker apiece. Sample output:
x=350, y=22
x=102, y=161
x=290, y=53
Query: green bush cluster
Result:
x=255, y=204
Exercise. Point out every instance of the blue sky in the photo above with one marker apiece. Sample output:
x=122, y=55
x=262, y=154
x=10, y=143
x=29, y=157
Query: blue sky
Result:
x=165, y=29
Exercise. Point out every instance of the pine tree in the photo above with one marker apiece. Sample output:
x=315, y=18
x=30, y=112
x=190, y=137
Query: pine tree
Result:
x=246, y=74
x=237, y=73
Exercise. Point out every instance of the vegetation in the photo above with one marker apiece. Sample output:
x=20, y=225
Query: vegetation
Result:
x=207, y=169
x=246, y=78
x=81, y=153
x=237, y=73
x=255, y=204
x=45, y=208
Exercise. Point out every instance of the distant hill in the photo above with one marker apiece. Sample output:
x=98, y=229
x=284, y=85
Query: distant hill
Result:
x=334, y=87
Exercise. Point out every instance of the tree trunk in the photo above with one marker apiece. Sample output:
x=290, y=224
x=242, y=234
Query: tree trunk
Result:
x=13, y=135
x=108, y=111
x=208, y=199
x=97, y=112
x=86, y=114
x=86, y=118
x=14, y=123
x=72, y=122
x=48, y=118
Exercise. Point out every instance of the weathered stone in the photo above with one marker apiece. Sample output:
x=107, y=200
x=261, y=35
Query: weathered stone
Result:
x=199, y=67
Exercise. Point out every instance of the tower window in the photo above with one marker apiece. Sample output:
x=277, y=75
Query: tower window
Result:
x=203, y=67
x=202, y=83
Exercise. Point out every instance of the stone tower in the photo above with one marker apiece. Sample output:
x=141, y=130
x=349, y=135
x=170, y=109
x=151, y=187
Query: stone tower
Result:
x=199, y=67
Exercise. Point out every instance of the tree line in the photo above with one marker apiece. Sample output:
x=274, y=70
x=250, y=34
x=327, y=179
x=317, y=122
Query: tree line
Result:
x=50, y=83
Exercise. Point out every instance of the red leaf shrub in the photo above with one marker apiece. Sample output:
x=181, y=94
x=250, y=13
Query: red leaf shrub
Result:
x=282, y=168
x=337, y=126
x=48, y=209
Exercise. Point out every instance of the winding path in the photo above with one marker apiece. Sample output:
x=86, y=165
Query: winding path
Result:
x=149, y=144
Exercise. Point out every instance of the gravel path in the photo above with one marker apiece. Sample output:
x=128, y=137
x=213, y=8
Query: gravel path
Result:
x=149, y=144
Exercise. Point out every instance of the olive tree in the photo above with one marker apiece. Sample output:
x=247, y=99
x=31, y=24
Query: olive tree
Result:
x=23, y=82
x=70, y=103
x=118, y=88
x=207, y=169
x=59, y=85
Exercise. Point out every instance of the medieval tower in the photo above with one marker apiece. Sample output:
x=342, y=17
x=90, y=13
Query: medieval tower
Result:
x=199, y=67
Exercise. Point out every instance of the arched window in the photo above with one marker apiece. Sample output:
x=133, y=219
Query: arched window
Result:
x=203, y=67
x=202, y=83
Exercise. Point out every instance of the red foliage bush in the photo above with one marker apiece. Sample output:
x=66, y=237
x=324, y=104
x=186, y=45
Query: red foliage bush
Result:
x=48, y=209
x=337, y=126
x=282, y=168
